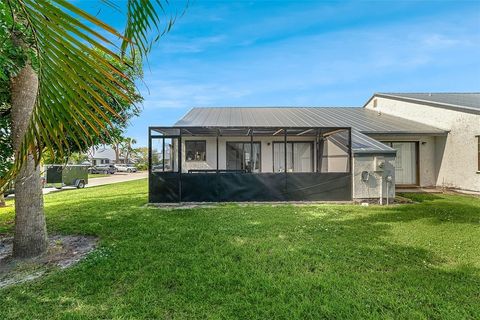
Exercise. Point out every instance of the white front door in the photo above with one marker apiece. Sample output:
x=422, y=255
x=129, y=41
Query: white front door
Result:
x=406, y=162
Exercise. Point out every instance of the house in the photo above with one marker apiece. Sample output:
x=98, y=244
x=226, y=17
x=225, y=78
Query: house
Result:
x=103, y=155
x=300, y=154
x=452, y=160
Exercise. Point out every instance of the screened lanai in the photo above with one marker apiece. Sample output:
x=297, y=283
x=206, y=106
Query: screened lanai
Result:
x=212, y=164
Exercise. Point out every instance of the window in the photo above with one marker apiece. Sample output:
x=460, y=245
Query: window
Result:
x=196, y=150
x=164, y=154
x=406, y=162
x=299, y=157
x=478, y=154
x=240, y=157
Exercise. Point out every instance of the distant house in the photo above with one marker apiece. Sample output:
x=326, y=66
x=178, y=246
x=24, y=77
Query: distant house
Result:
x=278, y=153
x=103, y=155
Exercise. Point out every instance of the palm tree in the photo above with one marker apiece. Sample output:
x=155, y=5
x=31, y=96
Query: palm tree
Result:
x=127, y=147
x=53, y=96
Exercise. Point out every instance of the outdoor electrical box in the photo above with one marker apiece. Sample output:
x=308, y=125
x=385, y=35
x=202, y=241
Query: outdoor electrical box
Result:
x=379, y=164
x=365, y=176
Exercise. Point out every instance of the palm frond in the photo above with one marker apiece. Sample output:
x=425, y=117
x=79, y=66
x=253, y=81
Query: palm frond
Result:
x=71, y=71
x=145, y=19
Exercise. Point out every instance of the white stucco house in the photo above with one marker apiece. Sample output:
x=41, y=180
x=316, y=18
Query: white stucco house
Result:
x=103, y=155
x=308, y=153
x=451, y=160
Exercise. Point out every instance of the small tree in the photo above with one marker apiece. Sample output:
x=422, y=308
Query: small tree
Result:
x=142, y=158
x=49, y=56
x=127, y=148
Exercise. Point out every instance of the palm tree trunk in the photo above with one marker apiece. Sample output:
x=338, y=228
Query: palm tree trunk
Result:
x=2, y=199
x=30, y=238
x=116, y=148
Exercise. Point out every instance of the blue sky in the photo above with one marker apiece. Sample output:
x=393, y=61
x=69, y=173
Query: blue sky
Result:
x=307, y=53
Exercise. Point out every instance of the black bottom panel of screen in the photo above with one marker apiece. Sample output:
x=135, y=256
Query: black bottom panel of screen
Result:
x=239, y=187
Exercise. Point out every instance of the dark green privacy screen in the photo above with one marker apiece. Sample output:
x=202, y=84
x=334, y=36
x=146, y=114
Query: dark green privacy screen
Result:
x=167, y=187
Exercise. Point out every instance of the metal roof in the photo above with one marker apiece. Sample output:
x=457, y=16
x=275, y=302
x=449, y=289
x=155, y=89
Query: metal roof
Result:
x=466, y=102
x=362, y=143
x=362, y=121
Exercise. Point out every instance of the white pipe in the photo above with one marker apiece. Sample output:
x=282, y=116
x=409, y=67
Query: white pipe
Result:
x=381, y=188
x=387, y=192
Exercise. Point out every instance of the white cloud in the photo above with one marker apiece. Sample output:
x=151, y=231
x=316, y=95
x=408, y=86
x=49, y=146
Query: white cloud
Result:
x=177, y=44
x=180, y=94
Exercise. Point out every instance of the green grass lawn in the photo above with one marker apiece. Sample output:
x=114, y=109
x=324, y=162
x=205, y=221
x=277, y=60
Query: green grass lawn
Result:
x=415, y=261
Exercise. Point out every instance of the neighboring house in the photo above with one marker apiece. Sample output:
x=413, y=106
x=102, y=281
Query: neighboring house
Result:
x=240, y=154
x=103, y=155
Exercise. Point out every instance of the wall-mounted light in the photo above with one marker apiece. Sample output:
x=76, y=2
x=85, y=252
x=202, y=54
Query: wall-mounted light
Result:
x=424, y=143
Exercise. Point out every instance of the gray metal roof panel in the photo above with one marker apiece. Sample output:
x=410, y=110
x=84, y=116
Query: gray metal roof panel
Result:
x=362, y=143
x=466, y=101
x=361, y=119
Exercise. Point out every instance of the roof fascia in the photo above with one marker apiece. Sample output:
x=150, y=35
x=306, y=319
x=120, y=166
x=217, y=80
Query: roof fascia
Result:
x=405, y=133
x=424, y=102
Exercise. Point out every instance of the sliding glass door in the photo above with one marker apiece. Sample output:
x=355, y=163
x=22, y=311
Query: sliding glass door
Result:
x=406, y=164
x=299, y=157
x=240, y=156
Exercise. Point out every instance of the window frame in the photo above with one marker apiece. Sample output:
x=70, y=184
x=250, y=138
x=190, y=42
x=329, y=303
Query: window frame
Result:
x=417, y=160
x=293, y=155
x=195, y=141
x=259, y=143
x=478, y=153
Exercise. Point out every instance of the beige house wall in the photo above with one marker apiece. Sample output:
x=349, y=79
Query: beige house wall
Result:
x=455, y=162
x=266, y=149
x=376, y=183
x=427, y=162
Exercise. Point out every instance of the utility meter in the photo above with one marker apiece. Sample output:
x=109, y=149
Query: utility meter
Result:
x=365, y=176
x=379, y=164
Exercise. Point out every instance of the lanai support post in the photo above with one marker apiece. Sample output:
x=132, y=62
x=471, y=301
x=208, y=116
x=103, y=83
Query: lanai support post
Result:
x=149, y=151
x=251, y=150
x=316, y=150
x=218, y=133
x=350, y=154
x=179, y=166
x=321, y=147
x=285, y=157
x=163, y=155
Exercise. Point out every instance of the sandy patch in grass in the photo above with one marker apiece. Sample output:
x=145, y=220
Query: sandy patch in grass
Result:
x=63, y=252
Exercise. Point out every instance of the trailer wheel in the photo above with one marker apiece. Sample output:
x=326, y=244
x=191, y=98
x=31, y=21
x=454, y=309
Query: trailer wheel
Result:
x=81, y=184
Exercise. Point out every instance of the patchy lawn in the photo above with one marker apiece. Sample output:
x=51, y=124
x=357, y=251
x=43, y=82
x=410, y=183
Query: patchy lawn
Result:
x=413, y=261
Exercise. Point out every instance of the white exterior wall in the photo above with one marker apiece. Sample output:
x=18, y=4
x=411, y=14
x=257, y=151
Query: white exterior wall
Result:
x=361, y=190
x=211, y=155
x=337, y=158
x=456, y=155
x=266, y=149
x=377, y=183
x=427, y=163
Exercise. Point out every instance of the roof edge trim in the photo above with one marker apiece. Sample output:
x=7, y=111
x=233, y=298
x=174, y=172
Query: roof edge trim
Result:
x=424, y=102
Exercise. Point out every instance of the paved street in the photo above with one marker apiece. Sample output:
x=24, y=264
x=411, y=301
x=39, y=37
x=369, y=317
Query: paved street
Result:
x=117, y=177
x=114, y=178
